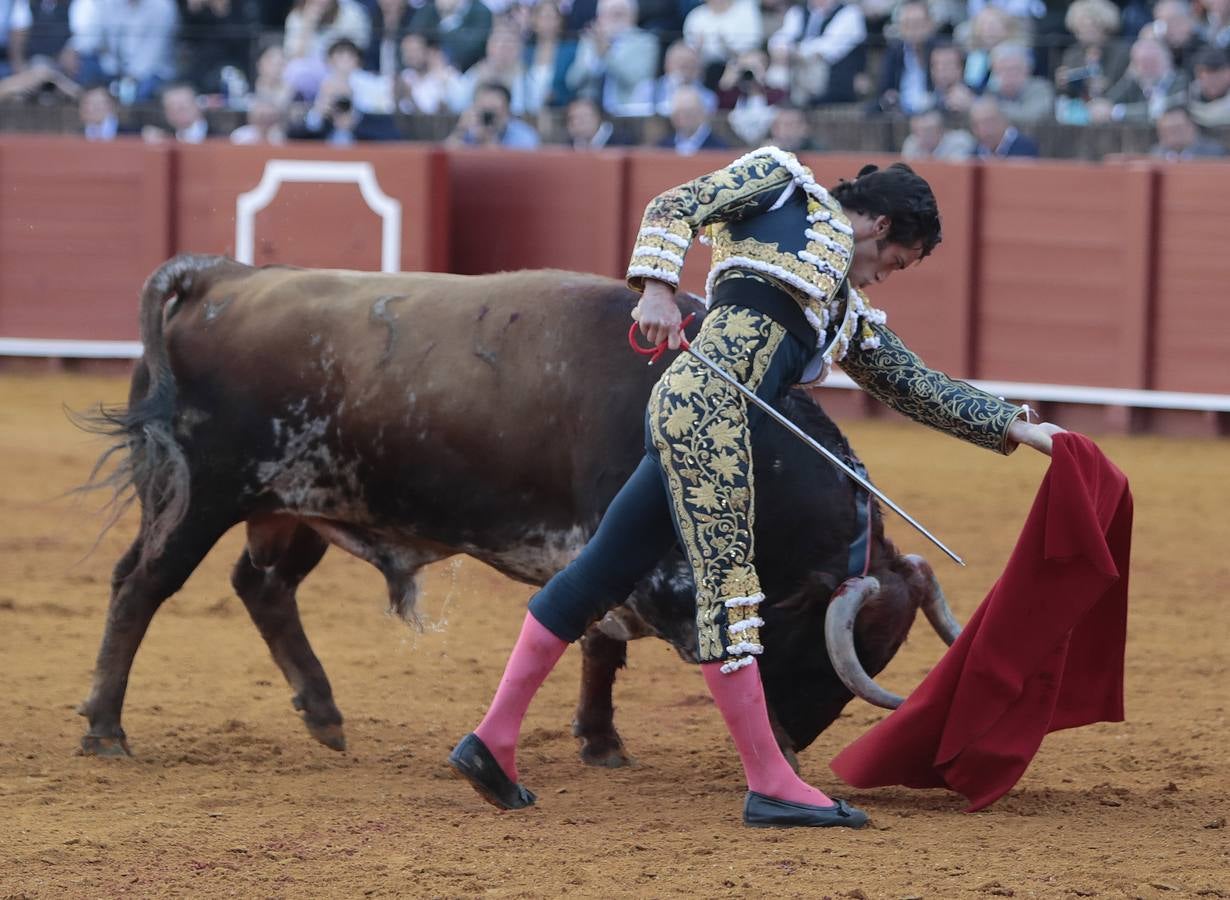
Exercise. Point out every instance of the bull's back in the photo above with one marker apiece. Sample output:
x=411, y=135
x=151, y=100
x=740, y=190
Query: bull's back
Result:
x=487, y=390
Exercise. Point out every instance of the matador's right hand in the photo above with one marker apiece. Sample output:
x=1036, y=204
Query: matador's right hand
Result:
x=658, y=315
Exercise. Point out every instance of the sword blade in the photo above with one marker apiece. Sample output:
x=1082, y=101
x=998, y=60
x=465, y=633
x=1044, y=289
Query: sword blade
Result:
x=823, y=451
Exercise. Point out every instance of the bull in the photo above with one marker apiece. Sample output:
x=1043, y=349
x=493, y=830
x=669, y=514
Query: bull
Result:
x=406, y=418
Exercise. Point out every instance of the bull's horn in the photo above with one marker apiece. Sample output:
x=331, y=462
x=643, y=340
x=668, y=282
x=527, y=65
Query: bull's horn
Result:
x=839, y=637
x=932, y=602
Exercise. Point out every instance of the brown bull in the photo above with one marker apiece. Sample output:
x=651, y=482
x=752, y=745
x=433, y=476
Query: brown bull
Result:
x=407, y=418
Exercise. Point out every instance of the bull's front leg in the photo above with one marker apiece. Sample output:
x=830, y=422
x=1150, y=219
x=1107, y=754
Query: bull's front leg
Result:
x=594, y=725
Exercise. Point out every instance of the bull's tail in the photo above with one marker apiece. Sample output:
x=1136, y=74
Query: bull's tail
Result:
x=150, y=465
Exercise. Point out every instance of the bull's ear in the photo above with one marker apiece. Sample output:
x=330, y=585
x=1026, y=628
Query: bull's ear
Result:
x=622, y=624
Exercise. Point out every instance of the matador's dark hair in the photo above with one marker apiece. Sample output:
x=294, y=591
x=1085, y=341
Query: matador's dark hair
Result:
x=902, y=195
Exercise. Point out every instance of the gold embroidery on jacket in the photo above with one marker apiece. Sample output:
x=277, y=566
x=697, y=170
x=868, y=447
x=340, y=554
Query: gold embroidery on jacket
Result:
x=898, y=378
x=748, y=187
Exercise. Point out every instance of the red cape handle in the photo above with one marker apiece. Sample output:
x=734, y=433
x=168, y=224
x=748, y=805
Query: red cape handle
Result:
x=655, y=353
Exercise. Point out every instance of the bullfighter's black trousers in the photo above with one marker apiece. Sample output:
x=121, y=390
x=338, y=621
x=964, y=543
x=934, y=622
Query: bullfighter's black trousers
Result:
x=694, y=486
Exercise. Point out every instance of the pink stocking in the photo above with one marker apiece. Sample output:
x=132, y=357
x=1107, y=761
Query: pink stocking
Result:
x=740, y=697
x=534, y=656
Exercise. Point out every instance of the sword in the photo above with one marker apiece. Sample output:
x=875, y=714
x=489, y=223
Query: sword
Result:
x=656, y=352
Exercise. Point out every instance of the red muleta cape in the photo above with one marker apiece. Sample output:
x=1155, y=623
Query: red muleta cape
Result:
x=1043, y=652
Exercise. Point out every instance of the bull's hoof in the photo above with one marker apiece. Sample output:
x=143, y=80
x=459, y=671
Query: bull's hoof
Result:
x=332, y=736
x=604, y=753
x=98, y=745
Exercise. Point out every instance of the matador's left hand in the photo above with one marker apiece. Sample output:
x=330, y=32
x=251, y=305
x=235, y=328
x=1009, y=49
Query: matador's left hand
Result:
x=1037, y=436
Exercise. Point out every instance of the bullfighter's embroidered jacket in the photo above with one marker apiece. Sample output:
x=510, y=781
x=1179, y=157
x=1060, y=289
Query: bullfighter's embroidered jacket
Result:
x=765, y=216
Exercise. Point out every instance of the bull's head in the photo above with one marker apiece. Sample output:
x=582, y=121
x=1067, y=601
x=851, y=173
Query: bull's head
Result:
x=860, y=625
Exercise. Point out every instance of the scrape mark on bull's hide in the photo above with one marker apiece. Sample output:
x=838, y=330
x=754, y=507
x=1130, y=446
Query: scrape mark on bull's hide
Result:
x=514, y=317
x=540, y=554
x=213, y=310
x=482, y=313
x=381, y=315
x=487, y=356
x=306, y=474
x=187, y=419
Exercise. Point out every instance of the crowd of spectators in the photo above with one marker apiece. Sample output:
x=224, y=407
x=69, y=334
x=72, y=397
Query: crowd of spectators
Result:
x=973, y=78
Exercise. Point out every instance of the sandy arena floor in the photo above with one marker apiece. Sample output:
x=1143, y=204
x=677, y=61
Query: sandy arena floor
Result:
x=228, y=796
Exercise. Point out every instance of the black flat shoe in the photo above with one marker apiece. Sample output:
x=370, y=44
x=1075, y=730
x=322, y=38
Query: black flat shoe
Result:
x=760, y=811
x=473, y=761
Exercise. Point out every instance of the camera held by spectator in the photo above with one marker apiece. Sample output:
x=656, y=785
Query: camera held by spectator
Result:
x=488, y=122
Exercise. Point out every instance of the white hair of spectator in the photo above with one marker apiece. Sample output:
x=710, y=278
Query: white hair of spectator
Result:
x=687, y=92
x=1010, y=51
x=1103, y=12
x=630, y=4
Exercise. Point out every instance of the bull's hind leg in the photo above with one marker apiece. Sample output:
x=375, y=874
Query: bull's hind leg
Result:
x=138, y=588
x=287, y=551
x=594, y=725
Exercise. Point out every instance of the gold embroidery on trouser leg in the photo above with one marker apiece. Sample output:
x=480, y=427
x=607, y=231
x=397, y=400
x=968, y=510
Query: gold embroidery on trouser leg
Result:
x=699, y=426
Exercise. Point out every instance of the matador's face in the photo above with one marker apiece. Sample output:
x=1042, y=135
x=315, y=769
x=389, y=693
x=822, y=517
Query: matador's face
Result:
x=875, y=259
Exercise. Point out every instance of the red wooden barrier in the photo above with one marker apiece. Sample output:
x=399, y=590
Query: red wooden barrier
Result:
x=549, y=209
x=1064, y=274
x=80, y=228
x=1191, y=327
x=313, y=223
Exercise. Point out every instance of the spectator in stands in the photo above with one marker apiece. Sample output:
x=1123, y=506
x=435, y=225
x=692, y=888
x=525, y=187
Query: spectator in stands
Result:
x=270, y=82
x=743, y=91
x=587, y=129
x=929, y=139
x=905, y=71
x=662, y=18
x=1179, y=139
x=690, y=120
x=181, y=108
x=773, y=14
x=369, y=93
x=488, y=122
x=719, y=29
x=428, y=85
x=1215, y=23
x=791, y=131
x=137, y=45
x=390, y=23
x=1149, y=87
x=826, y=39
x=949, y=92
x=997, y=137
x=1174, y=25
x=1209, y=94
x=681, y=67
x=266, y=124
x=461, y=27
x=47, y=35
x=504, y=64
x=96, y=110
x=989, y=28
x=66, y=34
x=314, y=26
x=1024, y=98
x=548, y=56
x=37, y=80
x=1098, y=58
x=215, y=37
x=614, y=58
x=14, y=30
